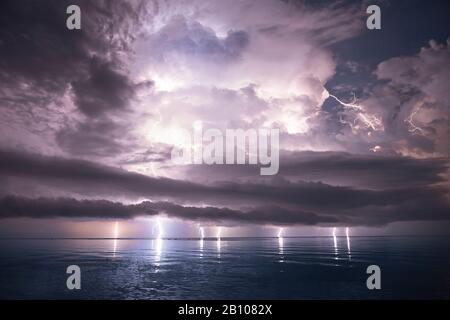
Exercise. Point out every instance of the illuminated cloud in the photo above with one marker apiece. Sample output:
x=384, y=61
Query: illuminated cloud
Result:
x=89, y=119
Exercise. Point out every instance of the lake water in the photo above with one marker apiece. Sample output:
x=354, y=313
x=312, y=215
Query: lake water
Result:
x=239, y=268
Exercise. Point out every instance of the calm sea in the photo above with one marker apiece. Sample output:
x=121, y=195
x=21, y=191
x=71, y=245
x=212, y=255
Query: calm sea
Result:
x=239, y=268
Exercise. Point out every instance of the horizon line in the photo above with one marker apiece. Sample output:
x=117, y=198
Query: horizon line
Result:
x=215, y=238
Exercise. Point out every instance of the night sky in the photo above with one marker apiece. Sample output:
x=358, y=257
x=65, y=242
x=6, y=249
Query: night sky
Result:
x=88, y=118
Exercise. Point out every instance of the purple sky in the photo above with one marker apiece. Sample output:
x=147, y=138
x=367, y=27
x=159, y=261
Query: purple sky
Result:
x=89, y=117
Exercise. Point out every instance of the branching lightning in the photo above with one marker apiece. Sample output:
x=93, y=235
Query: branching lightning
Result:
x=413, y=128
x=368, y=121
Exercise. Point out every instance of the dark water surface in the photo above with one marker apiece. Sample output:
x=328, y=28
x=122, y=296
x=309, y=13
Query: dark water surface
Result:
x=240, y=268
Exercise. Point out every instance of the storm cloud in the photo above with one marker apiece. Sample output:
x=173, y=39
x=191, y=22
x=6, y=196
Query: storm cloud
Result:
x=88, y=118
x=92, y=180
x=70, y=208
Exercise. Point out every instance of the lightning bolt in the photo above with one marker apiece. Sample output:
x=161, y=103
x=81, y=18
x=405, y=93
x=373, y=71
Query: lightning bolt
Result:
x=368, y=121
x=280, y=233
x=335, y=242
x=219, y=242
x=280, y=243
x=413, y=128
x=202, y=236
x=219, y=231
x=160, y=229
x=347, y=234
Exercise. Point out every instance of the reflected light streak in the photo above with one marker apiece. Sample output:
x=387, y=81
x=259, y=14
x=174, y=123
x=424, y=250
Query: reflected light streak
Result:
x=201, y=246
x=219, y=244
x=202, y=236
x=280, y=243
x=158, y=248
x=116, y=235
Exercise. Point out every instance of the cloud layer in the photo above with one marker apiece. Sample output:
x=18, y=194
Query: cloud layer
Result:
x=402, y=197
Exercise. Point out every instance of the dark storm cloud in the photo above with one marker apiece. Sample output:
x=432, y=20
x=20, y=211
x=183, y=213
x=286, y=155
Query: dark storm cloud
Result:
x=413, y=210
x=14, y=207
x=93, y=138
x=37, y=47
x=341, y=168
x=41, y=60
x=90, y=176
x=381, y=171
x=88, y=179
x=103, y=89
